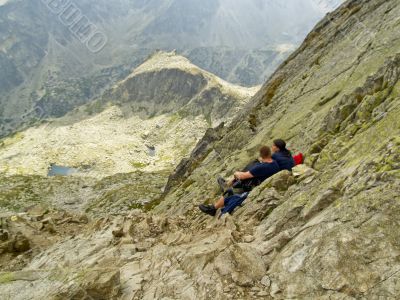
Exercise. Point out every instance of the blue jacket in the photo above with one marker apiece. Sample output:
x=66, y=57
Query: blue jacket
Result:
x=285, y=162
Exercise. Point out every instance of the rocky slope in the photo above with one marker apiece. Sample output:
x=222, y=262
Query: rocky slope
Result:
x=149, y=121
x=327, y=231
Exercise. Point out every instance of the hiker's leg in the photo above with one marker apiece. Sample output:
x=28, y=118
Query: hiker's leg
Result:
x=220, y=203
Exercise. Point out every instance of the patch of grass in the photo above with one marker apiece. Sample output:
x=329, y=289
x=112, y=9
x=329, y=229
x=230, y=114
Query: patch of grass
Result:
x=15, y=138
x=187, y=183
x=272, y=89
x=6, y=277
x=136, y=206
x=138, y=165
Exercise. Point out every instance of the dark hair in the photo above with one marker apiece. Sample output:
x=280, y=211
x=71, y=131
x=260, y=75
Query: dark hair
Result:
x=265, y=152
x=281, y=145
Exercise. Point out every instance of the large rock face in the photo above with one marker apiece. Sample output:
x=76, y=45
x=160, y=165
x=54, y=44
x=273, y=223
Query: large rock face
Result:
x=323, y=233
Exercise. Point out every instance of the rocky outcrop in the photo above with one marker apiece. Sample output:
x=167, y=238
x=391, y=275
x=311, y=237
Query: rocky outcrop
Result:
x=26, y=234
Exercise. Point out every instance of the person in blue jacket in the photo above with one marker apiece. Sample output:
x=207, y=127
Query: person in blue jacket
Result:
x=256, y=174
x=282, y=155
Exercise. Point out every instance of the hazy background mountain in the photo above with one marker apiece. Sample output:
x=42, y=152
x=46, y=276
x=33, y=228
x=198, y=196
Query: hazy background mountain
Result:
x=46, y=70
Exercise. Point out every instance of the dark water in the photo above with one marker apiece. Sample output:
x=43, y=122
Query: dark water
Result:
x=55, y=170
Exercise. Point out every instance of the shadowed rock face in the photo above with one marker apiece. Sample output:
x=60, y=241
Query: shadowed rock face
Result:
x=10, y=76
x=160, y=93
x=321, y=233
x=174, y=90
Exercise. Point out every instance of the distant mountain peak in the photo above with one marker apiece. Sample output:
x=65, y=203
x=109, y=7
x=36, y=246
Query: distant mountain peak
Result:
x=161, y=60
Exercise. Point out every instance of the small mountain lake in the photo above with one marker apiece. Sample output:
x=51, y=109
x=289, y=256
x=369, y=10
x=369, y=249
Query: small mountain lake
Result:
x=55, y=170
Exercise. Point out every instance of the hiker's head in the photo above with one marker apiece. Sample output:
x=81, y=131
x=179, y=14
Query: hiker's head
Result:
x=265, y=152
x=279, y=145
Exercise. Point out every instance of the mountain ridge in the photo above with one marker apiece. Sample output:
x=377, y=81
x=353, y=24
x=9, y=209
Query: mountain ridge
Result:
x=165, y=96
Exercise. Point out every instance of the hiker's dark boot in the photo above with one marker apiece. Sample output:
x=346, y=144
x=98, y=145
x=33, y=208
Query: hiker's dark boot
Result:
x=208, y=209
x=222, y=184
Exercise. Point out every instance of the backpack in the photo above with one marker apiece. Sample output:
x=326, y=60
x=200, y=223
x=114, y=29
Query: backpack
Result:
x=298, y=159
